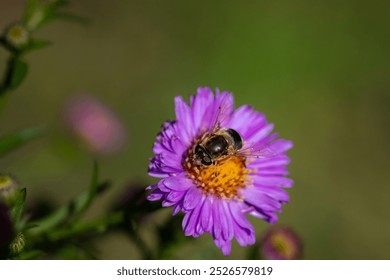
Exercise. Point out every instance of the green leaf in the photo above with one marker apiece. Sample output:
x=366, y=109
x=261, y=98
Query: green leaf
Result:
x=17, y=71
x=36, y=44
x=13, y=141
x=17, y=208
x=83, y=201
x=67, y=214
x=49, y=222
x=39, y=12
x=28, y=255
x=33, y=14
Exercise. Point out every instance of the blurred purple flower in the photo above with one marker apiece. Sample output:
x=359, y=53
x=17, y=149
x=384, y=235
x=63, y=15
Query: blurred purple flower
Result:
x=6, y=230
x=281, y=243
x=215, y=197
x=96, y=125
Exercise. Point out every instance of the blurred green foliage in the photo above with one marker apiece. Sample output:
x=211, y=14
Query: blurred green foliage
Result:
x=319, y=70
x=14, y=140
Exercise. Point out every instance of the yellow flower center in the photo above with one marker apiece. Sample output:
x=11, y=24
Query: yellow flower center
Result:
x=222, y=179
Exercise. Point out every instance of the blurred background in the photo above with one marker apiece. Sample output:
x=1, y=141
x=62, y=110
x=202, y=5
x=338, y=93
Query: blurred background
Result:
x=318, y=70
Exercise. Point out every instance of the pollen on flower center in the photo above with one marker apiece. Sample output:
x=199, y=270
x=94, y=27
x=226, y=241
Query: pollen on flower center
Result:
x=222, y=179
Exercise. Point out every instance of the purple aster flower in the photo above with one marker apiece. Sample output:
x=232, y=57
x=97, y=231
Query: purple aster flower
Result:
x=218, y=164
x=281, y=243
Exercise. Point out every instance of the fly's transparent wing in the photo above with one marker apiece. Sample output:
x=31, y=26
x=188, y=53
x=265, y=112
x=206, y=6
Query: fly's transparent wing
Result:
x=257, y=151
x=222, y=114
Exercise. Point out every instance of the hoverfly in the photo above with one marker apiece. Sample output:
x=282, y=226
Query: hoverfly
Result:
x=222, y=142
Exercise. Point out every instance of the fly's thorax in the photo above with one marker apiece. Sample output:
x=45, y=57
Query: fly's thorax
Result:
x=217, y=145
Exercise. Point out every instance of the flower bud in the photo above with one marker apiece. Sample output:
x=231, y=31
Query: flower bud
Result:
x=16, y=36
x=17, y=244
x=8, y=189
x=281, y=243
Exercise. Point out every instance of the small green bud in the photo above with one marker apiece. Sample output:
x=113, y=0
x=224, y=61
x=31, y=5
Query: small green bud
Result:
x=17, y=245
x=9, y=189
x=16, y=36
x=281, y=243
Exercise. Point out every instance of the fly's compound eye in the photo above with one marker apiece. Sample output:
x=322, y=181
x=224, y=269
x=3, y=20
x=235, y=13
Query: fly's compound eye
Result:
x=202, y=155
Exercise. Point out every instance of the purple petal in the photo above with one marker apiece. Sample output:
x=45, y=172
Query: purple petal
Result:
x=226, y=220
x=175, y=196
x=276, y=181
x=157, y=172
x=200, y=107
x=172, y=160
x=269, y=162
x=184, y=118
x=224, y=245
x=221, y=111
x=260, y=134
x=280, y=146
x=247, y=121
x=177, y=208
x=155, y=195
x=243, y=230
x=236, y=211
x=167, y=203
x=206, y=215
x=268, y=216
x=261, y=200
x=158, y=169
x=217, y=227
x=279, y=170
x=178, y=183
x=274, y=192
x=192, y=198
x=151, y=187
x=191, y=220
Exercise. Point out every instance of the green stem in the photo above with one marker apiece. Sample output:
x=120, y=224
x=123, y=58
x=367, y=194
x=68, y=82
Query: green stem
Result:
x=5, y=85
x=50, y=222
x=100, y=225
x=86, y=229
x=67, y=214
